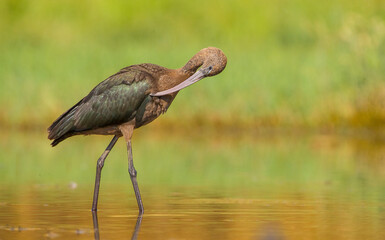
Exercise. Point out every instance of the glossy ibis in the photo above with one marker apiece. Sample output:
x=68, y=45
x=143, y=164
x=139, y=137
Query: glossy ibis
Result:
x=129, y=99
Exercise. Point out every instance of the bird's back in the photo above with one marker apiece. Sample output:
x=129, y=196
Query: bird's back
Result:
x=113, y=101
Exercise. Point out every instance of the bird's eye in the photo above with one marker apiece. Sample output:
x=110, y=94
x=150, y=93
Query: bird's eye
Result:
x=210, y=68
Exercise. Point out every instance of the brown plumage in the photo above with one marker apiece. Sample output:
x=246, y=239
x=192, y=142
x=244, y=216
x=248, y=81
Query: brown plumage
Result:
x=129, y=99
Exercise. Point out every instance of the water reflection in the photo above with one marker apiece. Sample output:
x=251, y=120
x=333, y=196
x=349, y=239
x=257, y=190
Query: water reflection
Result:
x=271, y=231
x=96, y=226
x=137, y=227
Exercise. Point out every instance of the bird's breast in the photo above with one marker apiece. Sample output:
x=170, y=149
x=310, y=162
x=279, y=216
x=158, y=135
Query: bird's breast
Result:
x=151, y=108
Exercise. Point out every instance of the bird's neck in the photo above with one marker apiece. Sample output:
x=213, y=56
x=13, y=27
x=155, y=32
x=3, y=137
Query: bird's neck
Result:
x=181, y=74
x=192, y=65
x=172, y=77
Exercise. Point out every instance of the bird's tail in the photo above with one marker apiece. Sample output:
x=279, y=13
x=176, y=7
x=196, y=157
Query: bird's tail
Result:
x=62, y=127
x=58, y=140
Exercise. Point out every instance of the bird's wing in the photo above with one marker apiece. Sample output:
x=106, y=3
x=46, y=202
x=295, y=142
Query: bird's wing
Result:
x=113, y=101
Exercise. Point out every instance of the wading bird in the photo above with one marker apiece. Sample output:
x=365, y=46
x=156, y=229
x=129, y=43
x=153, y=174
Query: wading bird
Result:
x=129, y=99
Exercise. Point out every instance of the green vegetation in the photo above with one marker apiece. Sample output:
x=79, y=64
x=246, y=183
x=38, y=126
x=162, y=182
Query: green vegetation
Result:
x=291, y=63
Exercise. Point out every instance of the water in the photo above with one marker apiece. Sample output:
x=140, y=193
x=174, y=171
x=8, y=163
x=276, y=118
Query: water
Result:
x=51, y=212
x=313, y=187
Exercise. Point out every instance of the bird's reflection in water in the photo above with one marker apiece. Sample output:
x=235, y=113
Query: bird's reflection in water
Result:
x=137, y=226
x=96, y=226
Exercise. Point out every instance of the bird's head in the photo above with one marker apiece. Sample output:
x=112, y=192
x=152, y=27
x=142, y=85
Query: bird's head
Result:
x=207, y=62
x=214, y=61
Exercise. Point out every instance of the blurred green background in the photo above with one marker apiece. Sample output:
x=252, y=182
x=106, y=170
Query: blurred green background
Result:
x=290, y=63
x=293, y=67
x=299, y=111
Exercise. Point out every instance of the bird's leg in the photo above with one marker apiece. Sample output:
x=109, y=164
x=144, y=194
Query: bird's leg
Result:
x=133, y=173
x=127, y=129
x=99, y=167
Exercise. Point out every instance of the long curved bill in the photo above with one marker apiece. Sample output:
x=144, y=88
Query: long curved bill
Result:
x=198, y=75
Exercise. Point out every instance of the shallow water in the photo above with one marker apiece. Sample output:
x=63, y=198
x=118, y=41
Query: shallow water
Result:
x=313, y=187
x=189, y=213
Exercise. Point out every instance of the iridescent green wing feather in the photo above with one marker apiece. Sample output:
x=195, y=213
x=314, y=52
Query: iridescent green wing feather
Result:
x=113, y=101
